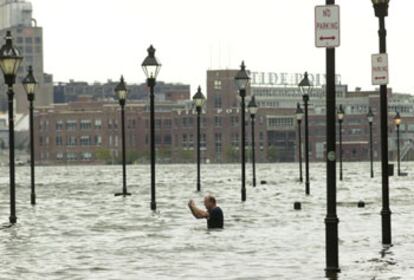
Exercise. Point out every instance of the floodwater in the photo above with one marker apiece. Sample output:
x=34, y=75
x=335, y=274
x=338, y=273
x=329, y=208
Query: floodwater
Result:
x=80, y=230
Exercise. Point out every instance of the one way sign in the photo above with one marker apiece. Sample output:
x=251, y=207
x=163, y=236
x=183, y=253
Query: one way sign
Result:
x=327, y=29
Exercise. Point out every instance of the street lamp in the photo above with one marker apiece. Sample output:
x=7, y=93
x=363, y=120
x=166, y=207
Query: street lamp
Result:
x=122, y=92
x=381, y=11
x=299, y=117
x=370, y=117
x=199, y=100
x=252, y=106
x=29, y=84
x=397, y=121
x=151, y=67
x=306, y=88
x=10, y=60
x=242, y=81
x=341, y=115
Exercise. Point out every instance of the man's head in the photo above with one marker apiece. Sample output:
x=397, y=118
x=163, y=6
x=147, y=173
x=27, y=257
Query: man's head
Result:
x=209, y=202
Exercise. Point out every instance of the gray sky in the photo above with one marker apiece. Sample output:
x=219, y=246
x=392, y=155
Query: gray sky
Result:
x=93, y=40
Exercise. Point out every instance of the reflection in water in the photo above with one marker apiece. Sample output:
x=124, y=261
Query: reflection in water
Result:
x=79, y=230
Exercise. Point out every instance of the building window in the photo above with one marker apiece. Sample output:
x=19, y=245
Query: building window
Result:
x=167, y=139
x=29, y=40
x=184, y=141
x=85, y=141
x=59, y=140
x=85, y=124
x=157, y=124
x=217, y=121
x=98, y=124
x=38, y=40
x=217, y=85
x=28, y=49
x=190, y=141
x=217, y=102
x=167, y=123
x=59, y=125
x=218, y=147
x=234, y=121
x=98, y=140
x=86, y=156
x=235, y=140
x=60, y=156
x=71, y=141
x=72, y=156
x=71, y=125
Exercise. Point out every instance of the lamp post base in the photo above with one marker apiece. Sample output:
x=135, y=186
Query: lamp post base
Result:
x=332, y=273
x=13, y=219
x=198, y=187
x=33, y=198
x=123, y=194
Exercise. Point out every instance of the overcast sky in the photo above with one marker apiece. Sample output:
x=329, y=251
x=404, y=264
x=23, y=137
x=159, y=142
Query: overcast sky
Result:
x=96, y=40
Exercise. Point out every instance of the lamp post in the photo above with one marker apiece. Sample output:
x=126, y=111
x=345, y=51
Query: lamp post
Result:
x=242, y=81
x=331, y=218
x=10, y=60
x=397, y=121
x=29, y=84
x=299, y=117
x=370, y=117
x=341, y=114
x=199, y=100
x=122, y=92
x=252, y=106
x=306, y=88
x=381, y=11
x=151, y=67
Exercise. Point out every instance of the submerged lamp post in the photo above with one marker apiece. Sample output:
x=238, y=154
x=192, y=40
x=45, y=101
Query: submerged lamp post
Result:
x=10, y=60
x=29, y=84
x=151, y=67
x=199, y=100
x=122, y=92
x=306, y=88
x=252, y=106
x=397, y=121
x=242, y=81
x=299, y=117
x=381, y=11
x=341, y=115
x=370, y=117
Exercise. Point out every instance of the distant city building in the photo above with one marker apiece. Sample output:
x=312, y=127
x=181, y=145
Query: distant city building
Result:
x=68, y=92
x=16, y=16
x=87, y=130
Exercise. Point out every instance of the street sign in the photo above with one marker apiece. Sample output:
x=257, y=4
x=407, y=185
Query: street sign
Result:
x=380, y=75
x=327, y=32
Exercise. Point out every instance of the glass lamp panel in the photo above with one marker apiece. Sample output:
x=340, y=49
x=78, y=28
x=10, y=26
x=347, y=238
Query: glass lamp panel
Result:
x=10, y=65
x=30, y=88
x=370, y=119
x=122, y=94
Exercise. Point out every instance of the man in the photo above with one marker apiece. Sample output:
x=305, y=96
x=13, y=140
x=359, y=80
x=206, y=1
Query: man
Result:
x=214, y=215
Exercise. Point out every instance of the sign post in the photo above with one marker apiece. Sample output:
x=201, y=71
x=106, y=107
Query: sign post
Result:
x=327, y=34
x=380, y=74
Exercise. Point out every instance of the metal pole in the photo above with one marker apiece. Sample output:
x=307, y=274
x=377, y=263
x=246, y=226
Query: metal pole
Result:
x=242, y=148
x=307, y=185
x=300, y=150
x=340, y=151
x=151, y=83
x=331, y=220
x=398, y=150
x=12, y=218
x=32, y=158
x=253, y=150
x=124, y=189
x=198, y=150
x=371, y=155
x=385, y=212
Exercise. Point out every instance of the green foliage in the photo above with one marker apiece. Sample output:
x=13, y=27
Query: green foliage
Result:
x=272, y=154
x=232, y=154
x=104, y=155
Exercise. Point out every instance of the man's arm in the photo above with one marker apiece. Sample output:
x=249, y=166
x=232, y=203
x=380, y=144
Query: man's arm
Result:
x=197, y=212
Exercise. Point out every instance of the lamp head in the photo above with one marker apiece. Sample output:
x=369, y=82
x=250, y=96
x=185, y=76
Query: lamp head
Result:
x=199, y=99
x=121, y=91
x=29, y=83
x=242, y=78
x=10, y=59
x=305, y=85
x=299, y=113
x=252, y=106
x=151, y=65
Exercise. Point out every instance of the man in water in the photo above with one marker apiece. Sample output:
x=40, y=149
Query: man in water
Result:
x=214, y=215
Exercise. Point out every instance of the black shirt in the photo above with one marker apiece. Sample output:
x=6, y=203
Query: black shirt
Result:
x=215, y=219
